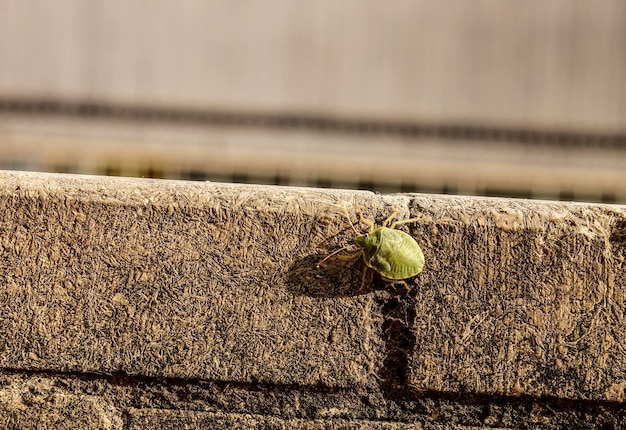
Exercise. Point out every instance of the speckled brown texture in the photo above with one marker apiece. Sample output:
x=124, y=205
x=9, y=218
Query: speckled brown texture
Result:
x=175, y=279
x=521, y=298
x=38, y=402
x=164, y=419
x=129, y=301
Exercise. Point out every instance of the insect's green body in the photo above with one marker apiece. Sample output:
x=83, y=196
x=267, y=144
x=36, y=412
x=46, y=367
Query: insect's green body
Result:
x=392, y=253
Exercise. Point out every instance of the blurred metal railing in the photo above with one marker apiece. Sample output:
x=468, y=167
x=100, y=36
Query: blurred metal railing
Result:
x=485, y=97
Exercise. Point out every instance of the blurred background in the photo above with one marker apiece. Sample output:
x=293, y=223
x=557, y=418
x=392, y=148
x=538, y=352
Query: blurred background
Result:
x=483, y=97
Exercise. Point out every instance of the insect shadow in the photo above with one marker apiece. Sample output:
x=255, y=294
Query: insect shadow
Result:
x=337, y=278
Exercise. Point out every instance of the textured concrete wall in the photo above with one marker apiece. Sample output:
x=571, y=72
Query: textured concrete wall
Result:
x=130, y=303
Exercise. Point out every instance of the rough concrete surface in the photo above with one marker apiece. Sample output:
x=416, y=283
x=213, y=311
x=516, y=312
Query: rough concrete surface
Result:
x=532, y=302
x=128, y=303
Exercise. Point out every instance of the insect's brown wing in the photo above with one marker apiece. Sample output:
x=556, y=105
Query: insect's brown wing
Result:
x=398, y=256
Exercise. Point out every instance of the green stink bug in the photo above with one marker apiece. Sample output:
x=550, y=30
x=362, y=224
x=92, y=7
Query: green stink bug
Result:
x=392, y=253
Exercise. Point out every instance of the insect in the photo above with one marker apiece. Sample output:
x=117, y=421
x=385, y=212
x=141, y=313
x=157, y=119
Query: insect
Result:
x=392, y=253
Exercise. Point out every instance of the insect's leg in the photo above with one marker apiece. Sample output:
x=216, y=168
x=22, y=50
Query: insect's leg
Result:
x=363, y=279
x=405, y=288
x=393, y=214
x=350, y=255
x=368, y=222
x=343, y=257
x=406, y=221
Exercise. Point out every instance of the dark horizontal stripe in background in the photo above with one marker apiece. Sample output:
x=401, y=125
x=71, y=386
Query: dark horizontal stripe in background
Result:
x=315, y=123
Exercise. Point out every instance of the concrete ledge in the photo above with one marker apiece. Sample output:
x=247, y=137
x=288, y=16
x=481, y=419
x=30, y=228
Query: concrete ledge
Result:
x=197, y=283
x=167, y=419
x=35, y=403
x=179, y=280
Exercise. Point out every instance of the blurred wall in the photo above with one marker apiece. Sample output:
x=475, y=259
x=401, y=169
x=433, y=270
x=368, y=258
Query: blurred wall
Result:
x=516, y=97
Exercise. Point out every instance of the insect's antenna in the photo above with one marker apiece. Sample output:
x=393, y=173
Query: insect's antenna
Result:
x=349, y=220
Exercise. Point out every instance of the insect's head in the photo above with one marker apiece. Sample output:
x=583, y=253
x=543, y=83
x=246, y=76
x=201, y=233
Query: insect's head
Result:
x=368, y=240
x=361, y=240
